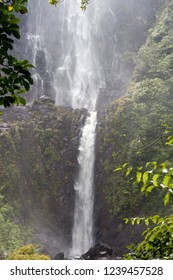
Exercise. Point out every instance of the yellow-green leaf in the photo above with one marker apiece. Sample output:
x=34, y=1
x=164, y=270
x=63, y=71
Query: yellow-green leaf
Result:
x=166, y=180
x=10, y=8
x=154, y=179
x=150, y=188
x=167, y=198
x=145, y=177
x=129, y=171
x=138, y=176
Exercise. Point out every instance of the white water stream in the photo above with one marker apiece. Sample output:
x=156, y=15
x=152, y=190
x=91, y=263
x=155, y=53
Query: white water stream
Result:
x=83, y=222
x=65, y=37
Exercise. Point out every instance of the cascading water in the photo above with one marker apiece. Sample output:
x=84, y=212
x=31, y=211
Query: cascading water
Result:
x=65, y=40
x=83, y=222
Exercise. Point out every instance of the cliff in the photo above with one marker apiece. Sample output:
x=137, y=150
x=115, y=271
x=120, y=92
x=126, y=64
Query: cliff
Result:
x=38, y=160
x=132, y=130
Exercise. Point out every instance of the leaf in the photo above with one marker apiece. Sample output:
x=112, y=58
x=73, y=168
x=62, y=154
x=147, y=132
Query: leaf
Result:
x=145, y=177
x=6, y=103
x=26, y=85
x=10, y=8
x=140, y=168
x=154, y=179
x=23, y=10
x=21, y=91
x=15, y=20
x=15, y=33
x=10, y=99
x=147, y=246
x=5, y=70
x=143, y=187
x=138, y=176
x=166, y=180
x=170, y=141
x=155, y=218
x=17, y=8
x=121, y=168
x=138, y=220
x=170, y=189
x=126, y=220
x=149, y=189
x=118, y=169
x=1, y=100
x=146, y=222
x=154, y=165
x=167, y=198
x=163, y=165
x=22, y=101
x=22, y=62
x=129, y=170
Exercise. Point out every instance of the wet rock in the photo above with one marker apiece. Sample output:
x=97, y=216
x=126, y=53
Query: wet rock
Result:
x=59, y=256
x=41, y=62
x=75, y=258
x=98, y=252
x=43, y=160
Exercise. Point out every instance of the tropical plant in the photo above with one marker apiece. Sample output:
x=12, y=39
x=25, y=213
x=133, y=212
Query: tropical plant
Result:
x=12, y=235
x=15, y=78
x=84, y=3
x=28, y=252
x=158, y=237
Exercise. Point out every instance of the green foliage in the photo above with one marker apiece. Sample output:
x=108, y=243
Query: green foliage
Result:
x=37, y=163
x=153, y=175
x=12, y=235
x=15, y=78
x=27, y=252
x=130, y=58
x=132, y=128
x=84, y=4
x=54, y=2
x=158, y=241
x=134, y=132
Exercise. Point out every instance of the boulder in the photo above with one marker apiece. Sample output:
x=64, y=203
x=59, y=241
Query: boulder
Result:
x=59, y=256
x=98, y=252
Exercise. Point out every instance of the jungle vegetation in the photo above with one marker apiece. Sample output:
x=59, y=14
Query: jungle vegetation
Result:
x=137, y=130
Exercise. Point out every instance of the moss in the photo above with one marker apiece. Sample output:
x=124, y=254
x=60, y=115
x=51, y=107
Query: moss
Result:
x=37, y=163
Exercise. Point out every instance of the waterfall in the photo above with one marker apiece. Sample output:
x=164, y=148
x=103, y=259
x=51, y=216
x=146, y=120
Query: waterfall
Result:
x=83, y=222
x=64, y=44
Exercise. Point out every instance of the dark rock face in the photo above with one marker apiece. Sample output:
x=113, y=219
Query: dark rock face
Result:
x=39, y=147
x=43, y=76
x=59, y=256
x=98, y=252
